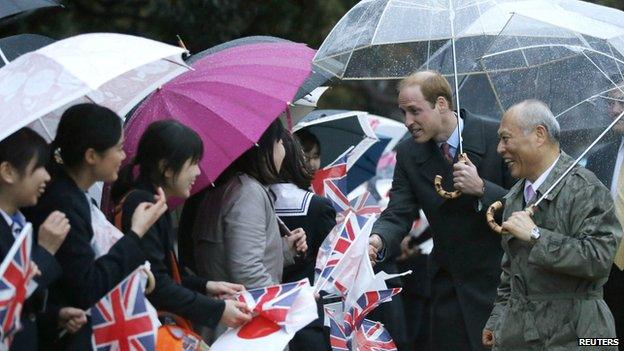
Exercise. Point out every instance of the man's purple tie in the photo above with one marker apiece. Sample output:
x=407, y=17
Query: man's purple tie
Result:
x=529, y=194
x=446, y=152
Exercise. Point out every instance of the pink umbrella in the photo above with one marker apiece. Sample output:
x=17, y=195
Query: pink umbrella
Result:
x=229, y=100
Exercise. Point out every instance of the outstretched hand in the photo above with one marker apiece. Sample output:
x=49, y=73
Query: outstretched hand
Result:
x=223, y=290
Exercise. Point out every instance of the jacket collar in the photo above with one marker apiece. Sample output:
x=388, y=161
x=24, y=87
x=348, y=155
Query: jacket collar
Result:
x=290, y=200
x=6, y=236
x=517, y=191
x=561, y=166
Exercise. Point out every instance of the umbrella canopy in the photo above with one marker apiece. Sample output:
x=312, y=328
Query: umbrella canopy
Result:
x=338, y=130
x=14, y=7
x=301, y=108
x=230, y=98
x=390, y=39
x=14, y=46
x=113, y=70
x=314, y=80
x=389, y=132
x=573, y=73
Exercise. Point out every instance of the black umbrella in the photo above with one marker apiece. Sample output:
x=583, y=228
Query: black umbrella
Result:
x=14, y=7
x=315, y=80
x=14, y=46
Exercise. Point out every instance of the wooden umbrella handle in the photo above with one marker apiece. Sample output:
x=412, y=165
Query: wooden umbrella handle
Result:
x=495, y=207
x=437, y=182
x=489, y=216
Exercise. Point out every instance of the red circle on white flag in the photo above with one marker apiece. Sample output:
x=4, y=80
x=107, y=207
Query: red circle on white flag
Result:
x=258, y=327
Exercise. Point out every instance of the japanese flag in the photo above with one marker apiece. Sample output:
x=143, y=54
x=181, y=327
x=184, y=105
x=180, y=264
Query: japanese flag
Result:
x=265, y=333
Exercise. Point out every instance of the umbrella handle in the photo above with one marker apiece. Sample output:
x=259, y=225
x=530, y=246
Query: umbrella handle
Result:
x=495, y=207
x=489, y=216
x=437, y=182
x=151, y=281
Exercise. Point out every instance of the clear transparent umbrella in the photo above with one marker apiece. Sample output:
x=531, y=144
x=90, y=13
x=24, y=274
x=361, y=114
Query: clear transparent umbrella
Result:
x=577, y=75
x=389, y=39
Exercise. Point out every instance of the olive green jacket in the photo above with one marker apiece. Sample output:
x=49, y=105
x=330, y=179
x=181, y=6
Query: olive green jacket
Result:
x=551, y=290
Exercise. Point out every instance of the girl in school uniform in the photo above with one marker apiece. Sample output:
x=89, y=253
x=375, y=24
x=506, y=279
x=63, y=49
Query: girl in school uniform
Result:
x=87, y=149
x=167, y=158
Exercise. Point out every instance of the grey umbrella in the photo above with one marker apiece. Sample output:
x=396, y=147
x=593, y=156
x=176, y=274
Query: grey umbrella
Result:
x=14, y=7
x=14, y=46
x=315, y=80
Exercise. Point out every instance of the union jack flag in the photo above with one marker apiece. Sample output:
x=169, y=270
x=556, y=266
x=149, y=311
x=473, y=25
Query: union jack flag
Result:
x=123, y=319
x=14, y=283
x=273, y=302
x=372, y=336
x=366, y=303
x=325, y=248
x=338, y=340
x=365, y=205
x=338, y=270
x=331, y=182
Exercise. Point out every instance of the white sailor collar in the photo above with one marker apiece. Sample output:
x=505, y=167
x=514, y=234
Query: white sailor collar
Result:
x=290, y=200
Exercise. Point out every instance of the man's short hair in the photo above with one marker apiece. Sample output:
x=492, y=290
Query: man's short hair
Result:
x=21, y=147
x=532, y=113
x=432, y=85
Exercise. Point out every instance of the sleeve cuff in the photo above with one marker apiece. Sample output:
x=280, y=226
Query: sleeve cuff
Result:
x=381, y=255
x=134, y=237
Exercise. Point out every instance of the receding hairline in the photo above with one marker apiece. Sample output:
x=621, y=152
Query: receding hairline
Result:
x=415, y=79
x=539, y=114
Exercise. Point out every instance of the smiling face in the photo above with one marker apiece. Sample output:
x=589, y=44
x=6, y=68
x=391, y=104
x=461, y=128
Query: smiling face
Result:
x=517, y=148
x=180, y=185
x=106, y=165
x=423, y=120
x=27, y=186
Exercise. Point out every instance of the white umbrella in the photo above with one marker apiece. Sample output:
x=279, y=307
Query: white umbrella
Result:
x=301, y=107
x=113, y=70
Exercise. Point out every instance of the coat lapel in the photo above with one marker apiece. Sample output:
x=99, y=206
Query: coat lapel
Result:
x=562, y=165
x=473, y=138
x=431, y=162
x=514, y=200
x=6, y=238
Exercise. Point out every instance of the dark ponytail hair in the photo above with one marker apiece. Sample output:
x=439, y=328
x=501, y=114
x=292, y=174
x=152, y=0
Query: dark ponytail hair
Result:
x=258, y=161
x=294, y=169
x=83, y=127
x=167, y=141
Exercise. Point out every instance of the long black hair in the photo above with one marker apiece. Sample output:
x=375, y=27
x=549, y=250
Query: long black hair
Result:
x=83, y=127
x=258, y=161
x=165, y=145
x=294, y=168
